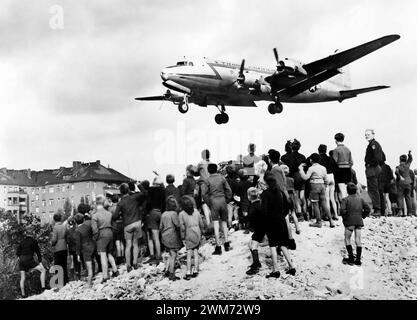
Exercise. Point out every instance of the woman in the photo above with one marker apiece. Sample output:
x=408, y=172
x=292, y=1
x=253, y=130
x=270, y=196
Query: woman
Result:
x=275, y=208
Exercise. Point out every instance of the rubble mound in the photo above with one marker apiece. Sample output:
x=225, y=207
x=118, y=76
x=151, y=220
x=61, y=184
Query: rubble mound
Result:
x=388, y=270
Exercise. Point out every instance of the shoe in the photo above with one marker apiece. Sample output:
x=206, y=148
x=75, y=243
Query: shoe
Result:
x=135, y=266
x=290, y=271
x=115, y=274
x=335, y=218
x=274, y=274
x=315, y=224
x=291, y=244
x=129, y=268
x=167, y=273
x=173, y=277
x=252, y=270
x=188, y=276
x=195, y=274
x=297, y=231
x=332, y=225
x=350, y=261
x=227, y=246
x=104, y=280
x=217, y=250
x=246, y=231
x=358, y=262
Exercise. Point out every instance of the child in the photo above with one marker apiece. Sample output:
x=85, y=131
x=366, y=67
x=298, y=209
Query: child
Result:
x=242, y=192
x=256, y=220
x=188, y=184
x=352, y=209
x=191, y=226
x=291, y=197
x=170, y=234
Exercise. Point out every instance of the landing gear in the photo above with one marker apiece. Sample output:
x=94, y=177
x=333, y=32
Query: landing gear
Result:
x=275, y=108
x=222, y=117
x=183, y=107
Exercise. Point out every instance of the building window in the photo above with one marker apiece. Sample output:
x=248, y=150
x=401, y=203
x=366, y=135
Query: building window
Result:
x=33, y=190
x=57, y=189
x=72, y=187
x=37, y=197
x=63, y=189
x=43, y=203
x=72, y=200
x=37, y=210
x=32, y=203
x=43, y=190
x=87, y=185
x=94, y=185
x=16, y=189
x=51, y=190
x=51, y=202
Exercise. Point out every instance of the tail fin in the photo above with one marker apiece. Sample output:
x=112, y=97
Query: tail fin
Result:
x=346, y=94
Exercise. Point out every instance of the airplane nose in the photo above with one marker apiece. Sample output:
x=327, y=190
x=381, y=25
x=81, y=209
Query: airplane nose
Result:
x=164, y=76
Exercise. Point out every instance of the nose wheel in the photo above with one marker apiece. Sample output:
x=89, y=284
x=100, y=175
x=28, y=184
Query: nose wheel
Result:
x=183, y=107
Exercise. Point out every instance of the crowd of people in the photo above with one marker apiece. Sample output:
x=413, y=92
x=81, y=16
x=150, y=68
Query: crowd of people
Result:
x=266, y=195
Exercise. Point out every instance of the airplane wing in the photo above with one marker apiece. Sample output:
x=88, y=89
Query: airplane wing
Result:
x=323, y=69
x=165, y=97
x=153, y=98
x=346, y=94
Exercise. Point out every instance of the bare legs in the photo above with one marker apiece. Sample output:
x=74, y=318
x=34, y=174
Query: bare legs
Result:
x=155, y=238
x=105, y=258
x=39, y=268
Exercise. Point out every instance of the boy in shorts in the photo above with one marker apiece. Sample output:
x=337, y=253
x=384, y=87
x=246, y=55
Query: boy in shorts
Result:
x=353, y=208
x=25, y=251
x=216, y=192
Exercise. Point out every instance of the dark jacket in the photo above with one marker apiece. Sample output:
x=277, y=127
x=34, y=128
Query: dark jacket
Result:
x=188, y=186
x=352, y=208
x=386, y=176
x=216, y=186
x=71, y=241
x=28, y=247
x=256, y=216
x=242, y=192
x=84, y=238
x=327, y=162
x=374, y=155
x=403, y=172
x=156, y=199
x=172, y=190
x=131, y=208
x=293, y=161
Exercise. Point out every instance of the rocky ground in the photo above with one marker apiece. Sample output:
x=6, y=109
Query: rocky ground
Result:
x=389, y=270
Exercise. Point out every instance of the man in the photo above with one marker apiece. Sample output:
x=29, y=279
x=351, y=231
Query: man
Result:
x=25, y=251
x=59, y=244
x=85, y=245
x=404, y=183
x=217, y=192
x=343, y=158
x=250, y=159
x=130, y=207
x=102, y=231
x=318, y=181
x=374, y=158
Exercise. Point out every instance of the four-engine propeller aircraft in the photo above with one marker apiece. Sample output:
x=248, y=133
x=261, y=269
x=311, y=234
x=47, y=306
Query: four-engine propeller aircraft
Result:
x=213, y=82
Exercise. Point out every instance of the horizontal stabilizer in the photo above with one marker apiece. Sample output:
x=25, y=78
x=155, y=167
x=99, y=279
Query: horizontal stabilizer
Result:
x=346, y=94
x=155, y=98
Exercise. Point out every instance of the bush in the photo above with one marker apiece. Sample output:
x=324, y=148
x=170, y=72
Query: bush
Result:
x=11, y=234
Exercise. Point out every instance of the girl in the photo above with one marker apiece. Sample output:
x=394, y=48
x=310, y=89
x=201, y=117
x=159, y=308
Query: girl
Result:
x=352, y=209
x=170, y=234
x=191, y=229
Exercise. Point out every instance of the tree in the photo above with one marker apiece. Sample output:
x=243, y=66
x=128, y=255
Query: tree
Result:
x=67, y=208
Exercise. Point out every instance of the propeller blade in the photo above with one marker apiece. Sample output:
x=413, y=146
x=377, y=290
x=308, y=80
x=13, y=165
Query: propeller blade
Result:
x=276, y=55
x=241, y=77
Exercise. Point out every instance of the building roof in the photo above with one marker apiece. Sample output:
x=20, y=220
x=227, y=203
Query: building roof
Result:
x=90, y=171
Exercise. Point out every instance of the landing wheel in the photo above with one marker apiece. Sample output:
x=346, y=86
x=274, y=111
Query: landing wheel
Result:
x=183, y=107
x=221, y=118
x=278, y=107
x=272, y=108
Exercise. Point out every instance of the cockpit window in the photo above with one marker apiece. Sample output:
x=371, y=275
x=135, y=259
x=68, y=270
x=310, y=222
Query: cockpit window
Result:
x=184, y=63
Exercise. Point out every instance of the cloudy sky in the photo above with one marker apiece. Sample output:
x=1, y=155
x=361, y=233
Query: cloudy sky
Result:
x=67, y=93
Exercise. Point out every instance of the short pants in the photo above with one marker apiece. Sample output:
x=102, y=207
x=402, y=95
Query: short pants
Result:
x=133, y=231
x=105, y=244
x=317, y=192
x=26, y=263
x=343, y=175
x=153, y=220
x=218, y=209
x=118, y=231
x=351, y=228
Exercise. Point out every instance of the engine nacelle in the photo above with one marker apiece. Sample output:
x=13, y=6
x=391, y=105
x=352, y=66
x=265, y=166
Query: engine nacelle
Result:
x=291, y=66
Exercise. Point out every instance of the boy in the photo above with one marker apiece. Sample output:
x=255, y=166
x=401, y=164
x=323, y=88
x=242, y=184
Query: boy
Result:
x=216, y=192
x=404, y=183
x=352, y=209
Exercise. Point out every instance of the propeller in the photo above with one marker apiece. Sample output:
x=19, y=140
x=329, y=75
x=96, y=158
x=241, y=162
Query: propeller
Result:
x=280, y=66
x=241, y=77
x=167, y=94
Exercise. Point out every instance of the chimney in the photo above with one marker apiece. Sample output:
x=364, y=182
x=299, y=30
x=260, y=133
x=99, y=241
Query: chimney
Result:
x=98, y=162
x=76, y=164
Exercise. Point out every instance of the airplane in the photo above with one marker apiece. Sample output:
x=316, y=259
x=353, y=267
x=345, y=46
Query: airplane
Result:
x=204, y=81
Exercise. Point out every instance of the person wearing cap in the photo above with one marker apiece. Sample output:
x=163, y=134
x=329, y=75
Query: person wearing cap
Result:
x=404, y=183
x=352, y=209
x=103, y=232
x=26, y=250
x=318, y=180
x=374, y=158
x=131, y=209
x=216, y=192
